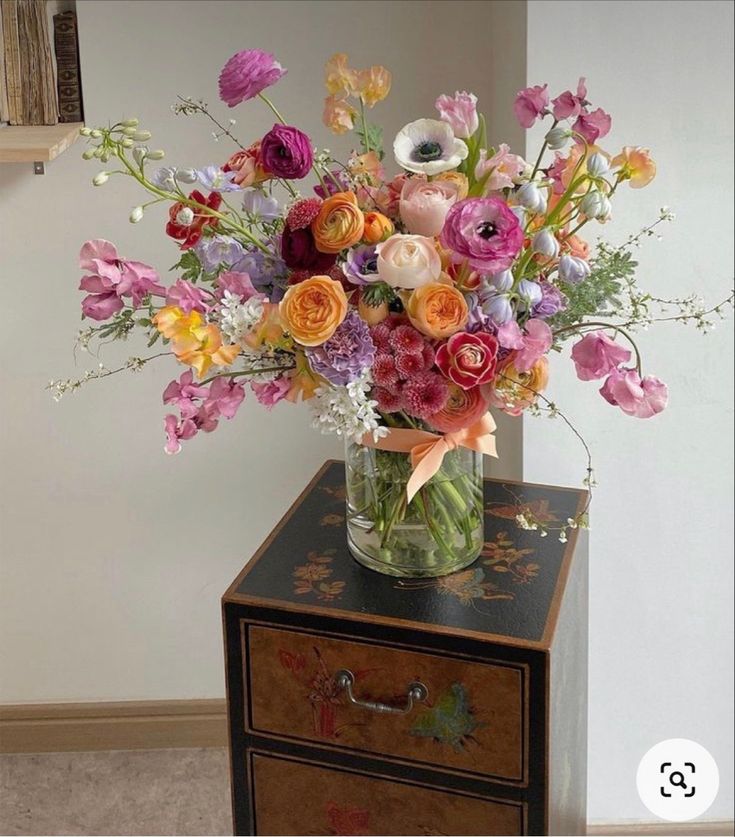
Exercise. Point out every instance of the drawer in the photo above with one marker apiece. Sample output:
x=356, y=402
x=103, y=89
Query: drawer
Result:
x=294, y=797
x=473, y=719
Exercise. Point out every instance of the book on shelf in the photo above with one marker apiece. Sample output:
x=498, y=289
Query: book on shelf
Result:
x=68, y=77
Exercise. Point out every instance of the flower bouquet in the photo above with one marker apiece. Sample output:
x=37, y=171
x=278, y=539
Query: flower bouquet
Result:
x=401, y=306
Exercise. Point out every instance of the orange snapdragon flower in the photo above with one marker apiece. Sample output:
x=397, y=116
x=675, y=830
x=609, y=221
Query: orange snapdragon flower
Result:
x=194, y=342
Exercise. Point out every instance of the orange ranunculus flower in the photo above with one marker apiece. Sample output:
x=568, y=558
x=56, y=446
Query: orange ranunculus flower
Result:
x=377, y=227
x=373, y=85
x=636, y=165
x=513, y=391
x=339, y=115
x=312, y=310
x=458, y=179
x=339, y=224
x=437, y=310
x=193, y=341
x=338, y=77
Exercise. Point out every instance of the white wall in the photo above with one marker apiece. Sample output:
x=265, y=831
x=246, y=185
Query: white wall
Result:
x=114, y=555
x=661, y=541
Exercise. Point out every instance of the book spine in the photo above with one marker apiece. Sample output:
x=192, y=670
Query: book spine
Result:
x=38, y=89
x=11, y=49
x=68, y=77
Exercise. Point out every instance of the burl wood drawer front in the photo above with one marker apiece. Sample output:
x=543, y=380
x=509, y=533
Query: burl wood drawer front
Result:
x=472, y=720
x=297, y=798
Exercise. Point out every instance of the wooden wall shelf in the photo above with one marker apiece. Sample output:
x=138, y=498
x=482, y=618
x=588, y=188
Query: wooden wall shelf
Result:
x=36, y=143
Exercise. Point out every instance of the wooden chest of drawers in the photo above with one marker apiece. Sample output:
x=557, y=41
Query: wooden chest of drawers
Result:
x=364, y=704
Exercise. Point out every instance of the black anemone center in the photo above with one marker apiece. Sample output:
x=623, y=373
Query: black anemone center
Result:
x=427, y=151
x=370, y=266
x=486, y=229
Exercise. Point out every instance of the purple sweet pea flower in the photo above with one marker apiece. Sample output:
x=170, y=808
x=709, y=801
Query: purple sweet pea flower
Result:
x=348, y=352
x=552, y=301
x=217, y=180
x=215, y=251
x=265, y=207
x=361, y=267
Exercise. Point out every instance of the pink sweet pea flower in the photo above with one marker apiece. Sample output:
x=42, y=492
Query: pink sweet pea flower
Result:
x=225, y=397
x=187, y=297
x=183, y=393
x=536, y=342
x=460, y=111
x=271, y=392
x=568, y=105
x=531, y=104
x=596, y=355
x=509, y=335
x=504, y=169
x=236, y=283
x=641, y=398
x=101, y=306
x=176, y=431
x=593, y=126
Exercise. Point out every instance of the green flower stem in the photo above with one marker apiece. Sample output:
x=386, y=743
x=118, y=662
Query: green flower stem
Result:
x=245, y=372
x=363, y=118
x=541, y=153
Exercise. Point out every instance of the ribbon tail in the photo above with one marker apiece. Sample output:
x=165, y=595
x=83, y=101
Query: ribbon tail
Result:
x=426, y=460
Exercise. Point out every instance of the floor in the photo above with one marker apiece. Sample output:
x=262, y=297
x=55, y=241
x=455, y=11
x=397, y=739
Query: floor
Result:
x=155, y=792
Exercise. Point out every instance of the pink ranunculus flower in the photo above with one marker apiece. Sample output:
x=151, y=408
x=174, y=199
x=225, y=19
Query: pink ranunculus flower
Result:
x=569, y=105
x=188, y=297
x=636, y=396
x=460, y=111
x=530, y=104
x=247, y=74
x=593, y=126
x=537, y=339
x=596, y=355
x=484, y=231
x=504, y=168
x=424, y=205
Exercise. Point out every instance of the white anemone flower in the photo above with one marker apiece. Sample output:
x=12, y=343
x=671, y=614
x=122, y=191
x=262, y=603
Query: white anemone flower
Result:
x=428, y=146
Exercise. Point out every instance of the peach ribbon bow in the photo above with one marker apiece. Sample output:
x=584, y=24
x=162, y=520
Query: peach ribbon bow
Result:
x=427, y=450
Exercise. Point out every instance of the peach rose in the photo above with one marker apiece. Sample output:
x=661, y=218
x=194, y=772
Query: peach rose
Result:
x=424, y=205
x=339, y=224
x=437, y=310
x=312, y=310
x=458, y=179
x=512, y=391
x=408, y=261
x=377, y=227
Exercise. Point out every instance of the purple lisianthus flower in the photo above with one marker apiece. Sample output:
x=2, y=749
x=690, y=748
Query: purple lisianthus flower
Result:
x=265, y=207
x=218, y=250
x=247, y=74
x=348, y=352
x=217, y=180
x=286, y=152
x=484, y=231
x=361, y=267
x=552, y=302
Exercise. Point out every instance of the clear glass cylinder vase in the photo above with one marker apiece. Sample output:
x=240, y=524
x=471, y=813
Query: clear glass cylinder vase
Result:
x=439, y=532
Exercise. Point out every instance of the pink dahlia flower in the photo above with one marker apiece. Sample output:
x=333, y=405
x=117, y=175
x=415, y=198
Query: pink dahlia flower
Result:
x=636, y=396
x=247, y=74
x=485, y=232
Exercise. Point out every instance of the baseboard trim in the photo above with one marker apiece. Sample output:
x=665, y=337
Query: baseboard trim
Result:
x=705, y=828
x=119, y=725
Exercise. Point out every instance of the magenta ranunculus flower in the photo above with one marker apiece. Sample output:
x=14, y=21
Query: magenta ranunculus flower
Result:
x=593, y=126
x=485, y=232
x=530, y=104
x=246, y=74
x=286, y=152
x=636, y=396
x=596, y=355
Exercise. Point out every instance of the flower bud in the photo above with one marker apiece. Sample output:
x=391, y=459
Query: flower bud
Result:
x=100, y=178
x=501, y=282
x=130, y=123
x=595, y=205
x=105, y=155
x=127, y=142
x=136, y=214
x=498, y=308
x=545, y=244
x=129, y=132
x=158, y=154
x=184, y=216
x=85, y=132
x=142, y=136
x=597, y=165
x=96, y=133
x=98, y=151
x=605, y=209
x=572, y=269
x=529, y=292
x=140, y=152
x=530, y=196
x=88, y=154
x=557, y=137
x=186, y=176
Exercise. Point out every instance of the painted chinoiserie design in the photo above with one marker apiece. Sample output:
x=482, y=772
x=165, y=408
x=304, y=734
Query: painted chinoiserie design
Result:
x=492, y=741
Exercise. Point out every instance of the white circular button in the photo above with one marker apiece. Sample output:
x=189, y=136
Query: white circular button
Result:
x=678, y=779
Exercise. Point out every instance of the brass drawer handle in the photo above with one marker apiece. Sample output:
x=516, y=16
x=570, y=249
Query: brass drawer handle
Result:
x=417, y=693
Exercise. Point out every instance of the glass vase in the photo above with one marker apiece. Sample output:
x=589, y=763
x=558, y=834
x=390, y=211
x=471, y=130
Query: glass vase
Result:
x=439, y=532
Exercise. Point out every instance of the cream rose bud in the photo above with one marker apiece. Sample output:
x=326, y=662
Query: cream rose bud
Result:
x=423, y=206
x=408, y=261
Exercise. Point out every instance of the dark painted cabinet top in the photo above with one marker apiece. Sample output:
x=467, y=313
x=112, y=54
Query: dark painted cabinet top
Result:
x=511, y=594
